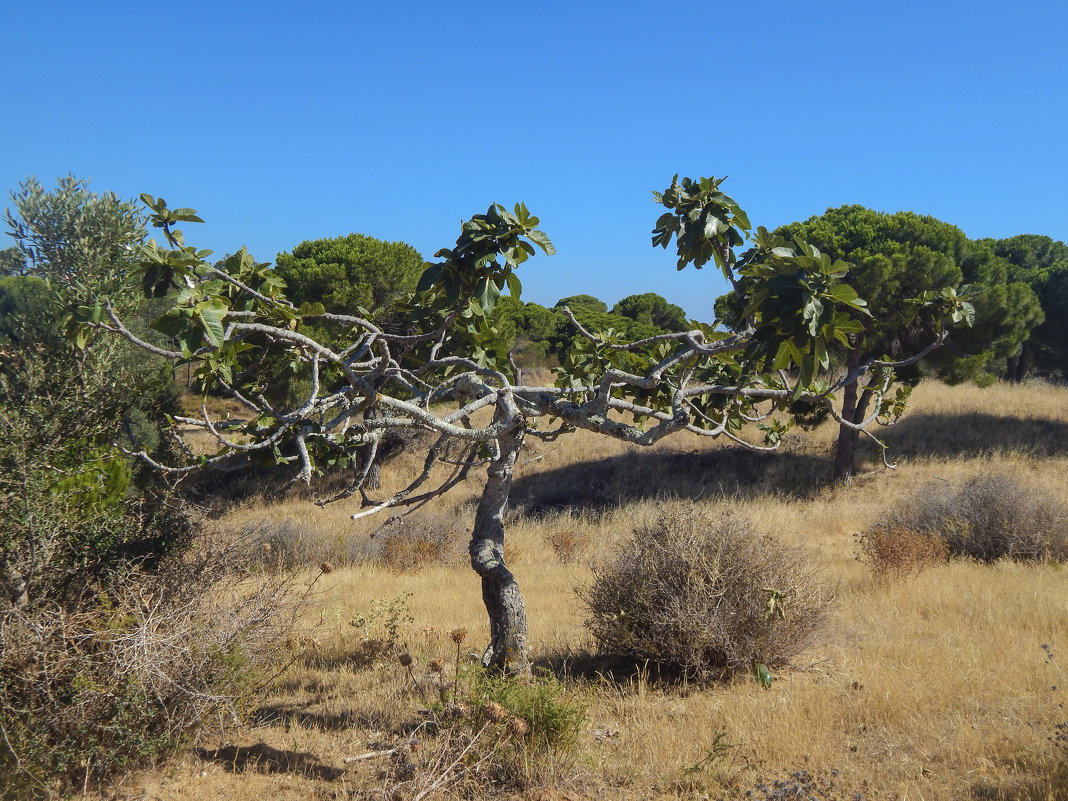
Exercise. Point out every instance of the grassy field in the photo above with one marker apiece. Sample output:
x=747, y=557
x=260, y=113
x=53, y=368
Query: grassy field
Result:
x=939, y=685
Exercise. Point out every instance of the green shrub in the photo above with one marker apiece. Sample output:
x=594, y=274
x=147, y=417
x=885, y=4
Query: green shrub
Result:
x=989, y=517
x=699, y=591
x=487, y=732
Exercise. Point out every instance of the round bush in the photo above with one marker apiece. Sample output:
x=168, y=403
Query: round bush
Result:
x=989, y=517
x=699, y=591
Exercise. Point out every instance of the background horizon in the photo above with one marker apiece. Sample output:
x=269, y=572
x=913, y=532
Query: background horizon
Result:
x=399, y=123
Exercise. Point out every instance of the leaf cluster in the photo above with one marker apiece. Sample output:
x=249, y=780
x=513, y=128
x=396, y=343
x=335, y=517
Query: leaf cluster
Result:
x=705, y=223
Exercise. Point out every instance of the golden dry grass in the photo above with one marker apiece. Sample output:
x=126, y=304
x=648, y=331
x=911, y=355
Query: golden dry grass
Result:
x=935, y=686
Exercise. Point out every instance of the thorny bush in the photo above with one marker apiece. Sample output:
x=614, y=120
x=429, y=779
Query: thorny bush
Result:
x=701, y=592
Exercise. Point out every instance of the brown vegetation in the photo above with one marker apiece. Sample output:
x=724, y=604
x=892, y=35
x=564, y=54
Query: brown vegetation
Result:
x=698, y=591
x=936, y=685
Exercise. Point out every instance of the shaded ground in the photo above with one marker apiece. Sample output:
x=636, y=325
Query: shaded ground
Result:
x=267, y=759
x=976, y=434
x=640, y=475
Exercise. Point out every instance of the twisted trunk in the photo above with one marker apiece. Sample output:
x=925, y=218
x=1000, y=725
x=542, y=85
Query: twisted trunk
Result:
x=853, y=410
x=507, y=649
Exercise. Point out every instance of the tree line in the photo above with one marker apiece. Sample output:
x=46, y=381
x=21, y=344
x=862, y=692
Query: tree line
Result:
x=1018, y=288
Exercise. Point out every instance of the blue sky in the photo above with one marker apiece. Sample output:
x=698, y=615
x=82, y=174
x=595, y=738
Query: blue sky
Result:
x=282, y=123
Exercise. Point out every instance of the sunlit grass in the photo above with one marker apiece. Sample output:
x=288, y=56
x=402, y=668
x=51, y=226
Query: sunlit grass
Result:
x=933, y=686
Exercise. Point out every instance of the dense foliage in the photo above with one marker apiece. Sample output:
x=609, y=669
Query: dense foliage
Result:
x=111, y=647
x=66, y=498
x=898, y=263
x=900, y=256
x=1041, y=263
x=351, y=273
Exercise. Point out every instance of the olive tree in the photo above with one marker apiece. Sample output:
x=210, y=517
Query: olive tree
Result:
x=444, y=379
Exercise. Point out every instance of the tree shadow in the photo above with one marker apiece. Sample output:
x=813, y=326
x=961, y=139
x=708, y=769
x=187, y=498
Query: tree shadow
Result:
x=613, y=669
x=280, y=715
x=640, y=475
x=976, y=434
x=266, y=759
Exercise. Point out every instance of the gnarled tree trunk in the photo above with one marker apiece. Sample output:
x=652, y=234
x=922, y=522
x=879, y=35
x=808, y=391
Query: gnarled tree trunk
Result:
x=853, y=411
x=507, y=650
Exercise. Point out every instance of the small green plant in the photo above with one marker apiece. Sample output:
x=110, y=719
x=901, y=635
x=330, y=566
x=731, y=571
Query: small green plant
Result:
x=485, y=729
x=383, y=626
x=713, y=757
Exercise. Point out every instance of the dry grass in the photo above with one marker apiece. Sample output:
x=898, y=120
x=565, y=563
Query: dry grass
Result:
x=935, y=686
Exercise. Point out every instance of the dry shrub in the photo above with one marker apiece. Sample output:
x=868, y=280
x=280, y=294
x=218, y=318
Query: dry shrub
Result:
x=895, y=551
x=568, y=544
x=419, y=541
x=989, y=517
x=285, y=543
x=698, y=590
x=125, y=678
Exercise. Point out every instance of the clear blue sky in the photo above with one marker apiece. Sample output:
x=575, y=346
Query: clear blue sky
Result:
x=282, y=122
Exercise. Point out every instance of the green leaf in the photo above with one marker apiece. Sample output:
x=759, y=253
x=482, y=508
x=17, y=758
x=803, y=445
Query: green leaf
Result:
x=714, y=226
x=541, y=239
x=431, y=275
x=822, y=358
x=171, y=323
x=211, y=314
x=763, y=675
x=514, y=286
x=787, y=354
x=843, y=293
x=186, y=215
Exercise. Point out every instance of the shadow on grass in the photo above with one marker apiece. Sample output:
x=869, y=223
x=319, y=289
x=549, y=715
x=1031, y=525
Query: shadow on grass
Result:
x=281, y=715
x=975, y=434
x=619, y=671
x=263, y=758
x=639, y=475
x=1054, y=787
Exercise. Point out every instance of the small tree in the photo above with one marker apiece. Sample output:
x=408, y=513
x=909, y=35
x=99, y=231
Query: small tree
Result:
x=652, y=309
x=66, y=505
x=346, y=273
x=705, y=381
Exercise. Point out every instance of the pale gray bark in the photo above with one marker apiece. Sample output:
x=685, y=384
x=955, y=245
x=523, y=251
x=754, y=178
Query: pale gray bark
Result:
x=507, y=649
